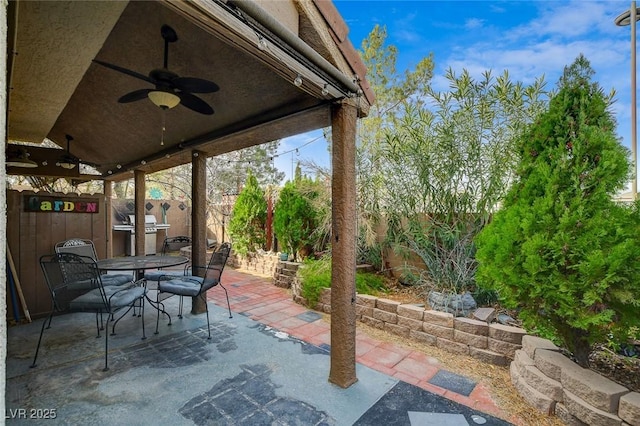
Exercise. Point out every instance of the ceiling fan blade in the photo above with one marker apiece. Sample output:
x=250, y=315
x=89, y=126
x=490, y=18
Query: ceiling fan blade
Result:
x=124, y=71
x=136, y=95
x=194, y=85
x=194, y=103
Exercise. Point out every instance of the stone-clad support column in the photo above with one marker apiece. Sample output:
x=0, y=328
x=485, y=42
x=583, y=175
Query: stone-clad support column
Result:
x=140, y=190
x=343, y=246
x=198, y=220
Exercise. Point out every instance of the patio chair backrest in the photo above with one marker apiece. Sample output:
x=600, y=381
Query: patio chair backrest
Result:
x=172, y=244
x=77, y=246
x=216, y=266
x=62, y=271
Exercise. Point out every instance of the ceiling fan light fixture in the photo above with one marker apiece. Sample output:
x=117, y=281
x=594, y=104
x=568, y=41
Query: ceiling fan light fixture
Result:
x=165, y=100
x=66, y=164
x=21, y=159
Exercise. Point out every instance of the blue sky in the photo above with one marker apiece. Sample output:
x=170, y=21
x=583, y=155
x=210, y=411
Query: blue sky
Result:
x=527, y=38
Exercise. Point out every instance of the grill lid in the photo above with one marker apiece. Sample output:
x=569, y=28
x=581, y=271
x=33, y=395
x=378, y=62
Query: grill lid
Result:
x=149, y=220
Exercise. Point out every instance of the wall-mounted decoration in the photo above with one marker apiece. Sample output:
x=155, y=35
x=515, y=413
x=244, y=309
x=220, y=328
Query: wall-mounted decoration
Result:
x=182, y=206
x=46, y=204
x=149, y=206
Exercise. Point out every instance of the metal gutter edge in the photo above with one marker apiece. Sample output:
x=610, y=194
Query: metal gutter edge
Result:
x=260, y=15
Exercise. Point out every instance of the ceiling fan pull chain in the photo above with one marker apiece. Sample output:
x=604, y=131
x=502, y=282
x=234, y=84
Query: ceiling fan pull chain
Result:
x=164, y=119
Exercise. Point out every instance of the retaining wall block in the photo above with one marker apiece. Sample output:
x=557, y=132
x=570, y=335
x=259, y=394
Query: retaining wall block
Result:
x=451, y=346
x=588, y=413
x=364, y=310
x=629, y=409
x=522, y=360
x=594, y=389
x=375, y=323
x=536, y=399
x=470, y=339
x=437, y=330
x=411, y=324
x=468, y=325
x=325, y=296
x=388, y=305
x=423, y=337
x=385, y=316
x=366, y=300
x=443, y=319
x=507, y=333
x=543, y=384
x=411, y=311
x=569, y=419
x=396, y=329
x=551, y=363
x=504, y=348
x=532, y=343
x=488, y=356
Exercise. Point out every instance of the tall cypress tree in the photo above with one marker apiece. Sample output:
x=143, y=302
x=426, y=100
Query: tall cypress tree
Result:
x=560, y=250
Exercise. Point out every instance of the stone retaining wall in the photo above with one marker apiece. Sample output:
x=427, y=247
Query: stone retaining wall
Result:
x=261, y=263
x=554, y=384
x=542, y=375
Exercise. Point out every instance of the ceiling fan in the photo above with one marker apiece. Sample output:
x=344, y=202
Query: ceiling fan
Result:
x=170, y=89
x=69, y=161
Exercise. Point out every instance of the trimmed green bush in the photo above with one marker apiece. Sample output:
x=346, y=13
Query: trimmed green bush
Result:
x=247, y=225
x=316, y=275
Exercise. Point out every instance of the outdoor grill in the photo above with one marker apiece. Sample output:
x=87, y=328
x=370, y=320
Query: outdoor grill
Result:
x=151, y=228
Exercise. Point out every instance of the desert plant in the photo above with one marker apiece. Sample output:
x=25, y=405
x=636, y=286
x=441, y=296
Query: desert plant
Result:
x=560, y=250
x=247, y=225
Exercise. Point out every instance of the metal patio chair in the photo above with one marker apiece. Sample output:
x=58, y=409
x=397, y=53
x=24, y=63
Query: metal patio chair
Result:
x=59, y=268
x=83, y=247
x=196, y=286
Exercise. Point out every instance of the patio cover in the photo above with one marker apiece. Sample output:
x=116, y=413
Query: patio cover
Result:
x=254, y=51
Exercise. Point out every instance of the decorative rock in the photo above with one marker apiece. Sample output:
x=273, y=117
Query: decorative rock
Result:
x=485, y=314
x=629, y=409
x=456, y=304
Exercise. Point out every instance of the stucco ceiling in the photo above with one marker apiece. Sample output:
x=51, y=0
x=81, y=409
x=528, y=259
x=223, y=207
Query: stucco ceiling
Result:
x=56, y=89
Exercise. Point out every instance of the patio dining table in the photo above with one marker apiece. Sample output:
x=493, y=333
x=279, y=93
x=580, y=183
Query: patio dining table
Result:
x=139, y=264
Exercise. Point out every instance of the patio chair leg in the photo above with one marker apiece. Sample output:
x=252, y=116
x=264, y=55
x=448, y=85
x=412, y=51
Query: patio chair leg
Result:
x=35, y=357
x=206, y=305
x=106, y=351
x=180, y=307
x=144, y=336
x=228, y=304
x=99, y=324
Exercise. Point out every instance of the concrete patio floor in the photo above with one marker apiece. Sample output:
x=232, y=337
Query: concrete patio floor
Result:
x=268, y=365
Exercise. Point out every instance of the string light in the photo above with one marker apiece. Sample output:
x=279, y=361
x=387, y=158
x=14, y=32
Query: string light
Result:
x=298, y=80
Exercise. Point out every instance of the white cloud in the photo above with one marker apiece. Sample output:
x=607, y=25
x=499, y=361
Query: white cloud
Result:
x=473, y=23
